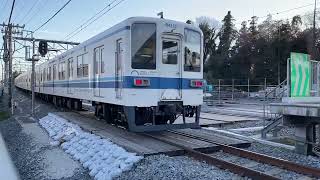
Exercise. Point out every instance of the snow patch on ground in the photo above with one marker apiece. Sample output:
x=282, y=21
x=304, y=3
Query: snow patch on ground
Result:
x=104, y=159
x=58, y=165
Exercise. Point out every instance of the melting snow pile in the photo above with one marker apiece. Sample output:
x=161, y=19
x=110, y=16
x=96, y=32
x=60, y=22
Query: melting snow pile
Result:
x=104, y=159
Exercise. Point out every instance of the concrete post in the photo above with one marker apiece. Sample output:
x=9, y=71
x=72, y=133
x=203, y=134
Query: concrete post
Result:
x=232, y=89
x=303, y=135
x=219, y=95
x=248, y=87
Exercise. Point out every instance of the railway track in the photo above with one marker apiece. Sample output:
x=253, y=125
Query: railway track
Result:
x=234, y=167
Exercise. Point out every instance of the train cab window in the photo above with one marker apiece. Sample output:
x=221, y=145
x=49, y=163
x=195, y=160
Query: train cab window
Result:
x=192, y=54
x=169, y=52
x=143, y=46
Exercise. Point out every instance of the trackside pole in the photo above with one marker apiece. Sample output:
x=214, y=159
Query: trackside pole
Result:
x=32, y=80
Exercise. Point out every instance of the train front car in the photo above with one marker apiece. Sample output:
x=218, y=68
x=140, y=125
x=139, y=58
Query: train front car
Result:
x=164, y=75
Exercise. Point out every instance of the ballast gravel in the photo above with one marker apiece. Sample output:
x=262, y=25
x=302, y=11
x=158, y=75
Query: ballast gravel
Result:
x=178, y=168
x=261, y=167
x=286, y=154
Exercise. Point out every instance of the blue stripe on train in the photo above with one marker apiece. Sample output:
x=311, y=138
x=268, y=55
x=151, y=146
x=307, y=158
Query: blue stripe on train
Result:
x=128, y=82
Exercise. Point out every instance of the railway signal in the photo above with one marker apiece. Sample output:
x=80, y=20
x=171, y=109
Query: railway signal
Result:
x=43, y=48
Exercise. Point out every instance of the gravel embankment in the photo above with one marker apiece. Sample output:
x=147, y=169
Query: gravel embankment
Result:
x=179, y=168
x=35, y=159
x=30, y=149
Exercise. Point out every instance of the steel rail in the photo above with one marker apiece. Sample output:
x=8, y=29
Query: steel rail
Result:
x=235, y=168
x=288, y=165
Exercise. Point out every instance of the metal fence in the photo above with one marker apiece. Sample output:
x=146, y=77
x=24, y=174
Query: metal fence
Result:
x=232, y=89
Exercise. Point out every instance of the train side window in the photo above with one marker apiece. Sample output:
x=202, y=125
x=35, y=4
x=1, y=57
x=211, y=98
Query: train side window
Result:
x=54, y=72
x=70, y=67
x=44, y=74
x=62, y=70
x=49, y=74
x=85, y=65
x=143, y=46
x=192, y=50
x=79, y=66
x=96, y=60
x=99, y=60
x=102, y=60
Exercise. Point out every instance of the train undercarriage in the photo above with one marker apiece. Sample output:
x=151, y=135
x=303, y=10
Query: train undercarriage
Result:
x=141, y=119
x=136, y=119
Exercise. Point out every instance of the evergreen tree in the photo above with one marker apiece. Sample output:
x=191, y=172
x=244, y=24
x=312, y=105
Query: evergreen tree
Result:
x=209, y=38
x=227, y=34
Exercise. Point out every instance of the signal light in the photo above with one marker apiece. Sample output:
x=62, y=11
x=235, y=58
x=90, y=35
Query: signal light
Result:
x=141, y=82
x=43, y=48
x=196, y=83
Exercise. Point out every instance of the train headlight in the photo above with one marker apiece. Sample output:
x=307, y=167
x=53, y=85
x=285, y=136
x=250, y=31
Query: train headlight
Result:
x=196, y=83
x=141, y=82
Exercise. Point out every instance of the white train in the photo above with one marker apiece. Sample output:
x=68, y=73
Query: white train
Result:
x=143, y=72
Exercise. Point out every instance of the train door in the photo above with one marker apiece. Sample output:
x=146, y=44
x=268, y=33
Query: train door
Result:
x=98, y=70
x=119, y=68
x=171, y=77
x=70, y=76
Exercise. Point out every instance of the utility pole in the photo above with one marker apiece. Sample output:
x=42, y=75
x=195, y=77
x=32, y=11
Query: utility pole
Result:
x=314, y=51
x=10, y=81
x=9, y=30
x=279, y=58
x=33, y=78
x=36, y=57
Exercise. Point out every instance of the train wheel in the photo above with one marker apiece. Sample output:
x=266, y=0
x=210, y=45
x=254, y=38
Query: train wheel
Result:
x=107, y=113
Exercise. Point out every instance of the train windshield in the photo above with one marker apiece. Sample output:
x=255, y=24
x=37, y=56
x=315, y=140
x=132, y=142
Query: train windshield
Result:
x=192, y=50
x=143, y=46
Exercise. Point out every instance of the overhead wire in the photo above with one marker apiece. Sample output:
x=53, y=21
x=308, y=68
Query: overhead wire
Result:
x=79, y=27
x=19, y=7
x=37, y=11
x=5, y=4
x=53, y=16
x=12, y=7
x=29, y=11
x=79, y=30
x=288, y=10
x=281, y=12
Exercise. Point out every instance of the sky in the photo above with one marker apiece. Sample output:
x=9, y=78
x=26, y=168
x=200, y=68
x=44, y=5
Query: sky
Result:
x=78, y=11
x=33, y=13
